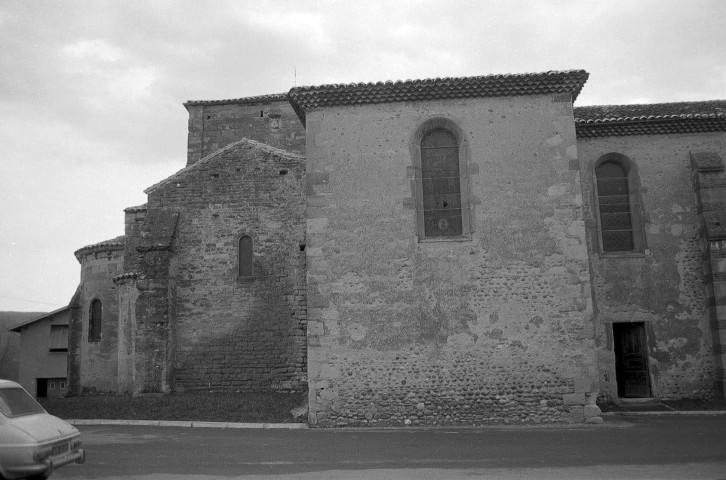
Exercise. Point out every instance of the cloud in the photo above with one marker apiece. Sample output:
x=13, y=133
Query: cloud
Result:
x=95, y=49
x=61, y=191
x=105, y=72
x=308, y=27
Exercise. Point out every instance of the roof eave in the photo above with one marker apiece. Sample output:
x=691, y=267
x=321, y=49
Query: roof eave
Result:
x=18, y=328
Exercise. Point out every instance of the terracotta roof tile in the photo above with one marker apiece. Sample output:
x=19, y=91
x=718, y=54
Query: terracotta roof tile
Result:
x=139, y=208
x=650, y=119
x=113, y=244
x=305, y=99
x=274, y=97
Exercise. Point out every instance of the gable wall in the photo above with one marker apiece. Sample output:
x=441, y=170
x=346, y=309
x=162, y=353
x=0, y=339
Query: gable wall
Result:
x=667, y=287
x=496, y=329
x=212, y=127
x=231, y=333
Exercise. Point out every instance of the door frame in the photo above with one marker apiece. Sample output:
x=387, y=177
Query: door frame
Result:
x=620, y=384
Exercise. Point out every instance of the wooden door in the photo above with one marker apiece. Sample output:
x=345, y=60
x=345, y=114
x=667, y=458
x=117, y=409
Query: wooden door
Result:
x=631, y=360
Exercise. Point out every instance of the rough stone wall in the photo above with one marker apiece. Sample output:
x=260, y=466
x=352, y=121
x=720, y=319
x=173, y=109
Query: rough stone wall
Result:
x=233, y=333
x=96, y=362
x=128, y=295
x=145, y=346
x=495, y=329
x=666, y=287
x=212, y=127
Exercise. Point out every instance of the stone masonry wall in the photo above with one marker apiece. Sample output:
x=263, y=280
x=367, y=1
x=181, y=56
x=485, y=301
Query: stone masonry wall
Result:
x=214, y=126
x=145, y=317
x=231, y=332
x=495, y=329
x=666, y=287
x=96, y=361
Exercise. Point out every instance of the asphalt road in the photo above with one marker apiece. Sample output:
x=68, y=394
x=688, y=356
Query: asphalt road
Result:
x=623, y=447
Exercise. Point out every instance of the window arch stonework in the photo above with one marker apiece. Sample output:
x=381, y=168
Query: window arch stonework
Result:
x=440, y=184
x=618, y=204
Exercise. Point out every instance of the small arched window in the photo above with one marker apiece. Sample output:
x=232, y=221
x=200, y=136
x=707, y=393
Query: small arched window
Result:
x=618, y=207
x=245, y=256
x=94, y=323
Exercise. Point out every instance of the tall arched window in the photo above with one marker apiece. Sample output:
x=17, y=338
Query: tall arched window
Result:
x=245, y=256
x=94, y=323
x=440, y=167
x=618, y=206
x=441, y=184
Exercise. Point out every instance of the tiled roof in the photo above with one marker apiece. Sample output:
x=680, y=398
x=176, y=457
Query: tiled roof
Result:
x=19, y=327
x=113, y=244
x=139, y=208
x=253, y=143
x=275, y=97
x=304, y=99
x=650, y=119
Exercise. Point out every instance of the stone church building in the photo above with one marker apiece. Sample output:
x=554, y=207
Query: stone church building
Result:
x=448, y=251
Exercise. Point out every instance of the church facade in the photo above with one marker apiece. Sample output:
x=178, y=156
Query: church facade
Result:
x=453, y=251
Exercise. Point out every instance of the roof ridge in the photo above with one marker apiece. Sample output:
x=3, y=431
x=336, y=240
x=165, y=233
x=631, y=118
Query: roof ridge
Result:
x=644, y=112
x=36, y=318
x=252, y=99
x=684, y=102
x=432, y=80
x=112, y=244
x=138, y=208
x=308, y=98
x=650, y=118
x=254, y=143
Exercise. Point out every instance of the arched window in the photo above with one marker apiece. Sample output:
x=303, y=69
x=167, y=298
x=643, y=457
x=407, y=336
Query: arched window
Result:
x=440, y=167
x=618, y=205
x=441, y=184
x=94, y=324
x=245, y=256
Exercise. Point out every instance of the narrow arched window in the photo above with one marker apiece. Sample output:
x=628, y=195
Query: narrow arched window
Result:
x=441, y=184
x=245, y=256
x=620, y=225
x=94, y=323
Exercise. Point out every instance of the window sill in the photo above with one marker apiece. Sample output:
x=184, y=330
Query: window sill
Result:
x=445, y=239
x=623, y=254
x=245, y=279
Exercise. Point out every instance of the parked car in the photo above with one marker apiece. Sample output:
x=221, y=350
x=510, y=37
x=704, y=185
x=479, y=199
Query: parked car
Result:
x=32, y=442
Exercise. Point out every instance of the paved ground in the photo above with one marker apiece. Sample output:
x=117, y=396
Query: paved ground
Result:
x=623, y=447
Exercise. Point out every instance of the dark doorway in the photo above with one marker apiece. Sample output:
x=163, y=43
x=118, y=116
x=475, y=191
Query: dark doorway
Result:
x=41, y=387
x=631, y=360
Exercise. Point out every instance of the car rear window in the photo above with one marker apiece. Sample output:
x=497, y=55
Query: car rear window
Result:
x=15, y=401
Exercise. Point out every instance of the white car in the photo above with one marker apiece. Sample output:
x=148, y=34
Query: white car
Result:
x=32, y=442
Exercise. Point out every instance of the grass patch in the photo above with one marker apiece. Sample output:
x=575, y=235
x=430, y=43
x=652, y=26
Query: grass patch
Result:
x=203, y=407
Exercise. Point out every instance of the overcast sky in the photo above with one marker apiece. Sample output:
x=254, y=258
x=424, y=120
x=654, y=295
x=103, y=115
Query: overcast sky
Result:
x=91, y=92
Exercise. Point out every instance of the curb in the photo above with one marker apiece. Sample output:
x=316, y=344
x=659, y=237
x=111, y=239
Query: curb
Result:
x=667, y=412
x=190, y=424
x=304, y=426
